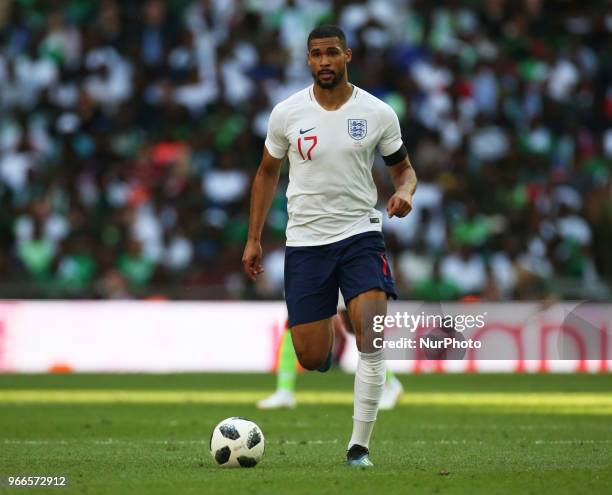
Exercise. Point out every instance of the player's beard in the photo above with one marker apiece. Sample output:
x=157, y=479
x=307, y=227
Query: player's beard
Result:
x=332, y=83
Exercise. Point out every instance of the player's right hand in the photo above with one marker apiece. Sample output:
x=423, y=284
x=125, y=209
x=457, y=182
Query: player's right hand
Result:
x=251, y=259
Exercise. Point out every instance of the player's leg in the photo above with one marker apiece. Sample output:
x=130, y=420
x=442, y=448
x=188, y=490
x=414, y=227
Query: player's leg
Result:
x=393, y=388
x=370, y=375
x=313, y=343
x=287, y=364
x=286, y=374
x=366, y=282
x=311, y=292
x=340, y=334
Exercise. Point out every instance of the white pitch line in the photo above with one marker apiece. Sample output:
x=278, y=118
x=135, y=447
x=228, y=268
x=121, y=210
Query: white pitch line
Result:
x=118, y=441
x=309, y=442
x=442, y=426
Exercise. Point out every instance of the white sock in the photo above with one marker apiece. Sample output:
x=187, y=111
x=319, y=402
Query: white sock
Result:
x=369, y=382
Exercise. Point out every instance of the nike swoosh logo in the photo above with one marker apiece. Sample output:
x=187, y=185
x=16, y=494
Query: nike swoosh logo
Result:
x=307, y=130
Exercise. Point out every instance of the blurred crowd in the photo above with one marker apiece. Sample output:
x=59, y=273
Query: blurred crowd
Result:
x=130, y=132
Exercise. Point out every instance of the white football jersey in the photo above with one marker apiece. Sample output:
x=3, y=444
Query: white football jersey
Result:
x=331, y=193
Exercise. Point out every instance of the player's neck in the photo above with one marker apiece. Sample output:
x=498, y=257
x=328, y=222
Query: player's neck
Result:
x=333, y=98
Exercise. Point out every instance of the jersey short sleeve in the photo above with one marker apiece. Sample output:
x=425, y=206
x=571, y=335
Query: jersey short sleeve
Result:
x=277, y=143
x=391, y=138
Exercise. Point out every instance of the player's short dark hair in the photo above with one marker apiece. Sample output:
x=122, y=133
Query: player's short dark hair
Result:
x=327, y=31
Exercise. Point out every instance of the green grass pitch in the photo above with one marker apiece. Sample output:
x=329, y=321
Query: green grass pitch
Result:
x=148, y=434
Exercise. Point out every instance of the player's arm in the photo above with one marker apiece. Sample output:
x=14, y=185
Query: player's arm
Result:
x=262, y=194
x=404, y=180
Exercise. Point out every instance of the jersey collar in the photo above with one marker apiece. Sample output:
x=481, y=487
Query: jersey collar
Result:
x=311, y=98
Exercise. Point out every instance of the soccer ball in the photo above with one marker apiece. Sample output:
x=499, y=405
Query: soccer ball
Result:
x=237, y=442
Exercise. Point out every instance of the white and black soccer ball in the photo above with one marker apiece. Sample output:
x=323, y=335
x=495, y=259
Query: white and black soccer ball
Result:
x=237, y=442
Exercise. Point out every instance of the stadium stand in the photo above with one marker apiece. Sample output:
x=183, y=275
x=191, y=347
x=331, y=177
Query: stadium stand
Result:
x=129, y=133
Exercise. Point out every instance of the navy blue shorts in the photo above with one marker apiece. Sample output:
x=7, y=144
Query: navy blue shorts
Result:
x=313, y=275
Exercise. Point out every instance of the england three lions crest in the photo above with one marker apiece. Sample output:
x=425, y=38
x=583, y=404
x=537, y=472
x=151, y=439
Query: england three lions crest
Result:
x=357, y=128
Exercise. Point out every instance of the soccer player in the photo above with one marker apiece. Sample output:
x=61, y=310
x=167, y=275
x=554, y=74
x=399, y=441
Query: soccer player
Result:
x=329, y=131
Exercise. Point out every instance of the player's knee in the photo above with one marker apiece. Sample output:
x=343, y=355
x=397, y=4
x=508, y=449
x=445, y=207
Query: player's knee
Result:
x=310, y=359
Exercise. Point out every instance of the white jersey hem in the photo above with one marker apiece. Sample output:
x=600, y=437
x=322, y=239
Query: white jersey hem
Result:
x=331, y=240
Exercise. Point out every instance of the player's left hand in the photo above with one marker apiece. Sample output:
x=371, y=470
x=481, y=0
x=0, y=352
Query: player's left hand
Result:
x=399, y=205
